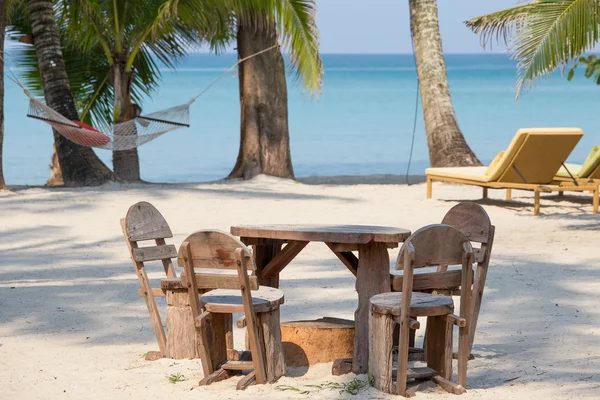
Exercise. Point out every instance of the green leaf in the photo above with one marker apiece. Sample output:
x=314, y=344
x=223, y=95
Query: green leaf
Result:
x=542, y=35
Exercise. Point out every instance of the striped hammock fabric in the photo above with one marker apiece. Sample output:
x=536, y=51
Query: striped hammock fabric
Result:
x=122, y=136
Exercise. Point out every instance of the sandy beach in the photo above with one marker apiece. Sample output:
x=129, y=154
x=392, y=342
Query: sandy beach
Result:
x=73, y=327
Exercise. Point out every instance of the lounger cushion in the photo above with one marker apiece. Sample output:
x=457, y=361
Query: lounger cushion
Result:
x=494, y=162
x=573, y=169
x=477, y=174
x=591, y=162
x=582, y=170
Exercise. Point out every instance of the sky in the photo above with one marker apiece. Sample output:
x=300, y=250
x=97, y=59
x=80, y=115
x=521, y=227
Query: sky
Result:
x=382, y=26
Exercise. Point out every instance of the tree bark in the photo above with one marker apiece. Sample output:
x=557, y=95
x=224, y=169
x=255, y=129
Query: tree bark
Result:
x=265, y=140
x=447, y=145
x=126, y=163
x=2, y=28
x=80, y=165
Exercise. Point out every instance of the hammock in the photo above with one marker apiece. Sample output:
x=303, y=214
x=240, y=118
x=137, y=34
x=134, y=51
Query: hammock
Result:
x=125, y=135
x=122, y=136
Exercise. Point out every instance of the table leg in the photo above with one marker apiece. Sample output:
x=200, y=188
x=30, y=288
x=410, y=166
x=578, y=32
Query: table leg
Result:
x=373, y=277
x=263, y=253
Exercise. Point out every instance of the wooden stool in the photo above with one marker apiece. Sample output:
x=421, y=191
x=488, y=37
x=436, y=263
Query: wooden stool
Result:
x=385, y=313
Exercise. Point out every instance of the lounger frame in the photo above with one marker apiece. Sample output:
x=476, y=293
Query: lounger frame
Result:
x=556, y=186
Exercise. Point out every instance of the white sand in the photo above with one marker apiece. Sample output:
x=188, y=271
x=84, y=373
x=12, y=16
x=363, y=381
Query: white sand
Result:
x=72, y=326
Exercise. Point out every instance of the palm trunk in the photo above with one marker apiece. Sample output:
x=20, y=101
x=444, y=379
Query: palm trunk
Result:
x=265, y=141
x=80, y=165
x=447, y=145
x=126, y=163
x=2, y=27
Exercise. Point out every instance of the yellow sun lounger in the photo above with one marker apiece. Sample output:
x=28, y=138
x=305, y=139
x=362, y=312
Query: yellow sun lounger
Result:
x=530, y=162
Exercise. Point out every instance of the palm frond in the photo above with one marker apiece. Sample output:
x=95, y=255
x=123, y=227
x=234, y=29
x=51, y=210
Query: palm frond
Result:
x=542, y=35
x=296, y=28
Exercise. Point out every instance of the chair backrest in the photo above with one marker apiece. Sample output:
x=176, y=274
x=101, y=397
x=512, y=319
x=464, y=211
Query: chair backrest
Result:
x=142, y=223
x=210, y=257
x=435, y=245
x=595, y=174
x=535, y=155
x=473, y=221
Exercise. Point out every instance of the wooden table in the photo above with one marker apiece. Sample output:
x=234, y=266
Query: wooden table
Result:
x=371, y=267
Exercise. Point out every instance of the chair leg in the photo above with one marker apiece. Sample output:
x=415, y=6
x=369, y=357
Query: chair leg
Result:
x=485, y=193
x=439, y=345
x=411, y=337
x=256, y=345
x=429, y=187
x=536, y=202
x=448, y=385
x=402, y=372
x=595, y=200
x=508, y=194
x=478, y=286
x=217, y=376
x=246, y=381
x=204, y=343
x=463, y=355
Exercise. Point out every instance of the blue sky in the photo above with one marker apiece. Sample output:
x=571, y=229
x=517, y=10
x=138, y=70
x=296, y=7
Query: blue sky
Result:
x=382, y=26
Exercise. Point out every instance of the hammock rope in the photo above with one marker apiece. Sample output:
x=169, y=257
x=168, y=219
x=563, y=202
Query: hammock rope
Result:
x=124, y=135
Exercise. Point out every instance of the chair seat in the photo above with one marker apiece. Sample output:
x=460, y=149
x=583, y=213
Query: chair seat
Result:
x=265, y=299
x=421, y=305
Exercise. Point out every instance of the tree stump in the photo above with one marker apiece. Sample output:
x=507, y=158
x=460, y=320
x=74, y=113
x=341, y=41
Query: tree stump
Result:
x=310, y=342
x=182, y=337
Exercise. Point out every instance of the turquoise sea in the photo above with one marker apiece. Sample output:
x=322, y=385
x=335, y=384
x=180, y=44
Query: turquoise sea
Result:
x=361, y=124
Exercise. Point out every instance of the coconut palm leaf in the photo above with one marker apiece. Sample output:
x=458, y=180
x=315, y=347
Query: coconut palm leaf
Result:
x=296, y=26
x=297, y=30
x=542, y=35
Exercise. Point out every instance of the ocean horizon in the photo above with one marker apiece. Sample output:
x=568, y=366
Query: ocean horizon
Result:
x=360, y=124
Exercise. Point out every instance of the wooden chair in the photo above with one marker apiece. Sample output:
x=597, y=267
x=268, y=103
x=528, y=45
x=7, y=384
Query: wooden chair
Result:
x=473, y=221
x=143, y=223
x=209, y=259
x=434, y=245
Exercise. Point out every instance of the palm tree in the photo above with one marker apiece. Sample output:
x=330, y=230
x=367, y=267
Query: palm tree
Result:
x=264, y=139
x=447, y=145
x=542, y=35
x=2, y=28
x=79, y=164
x=130, y=35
